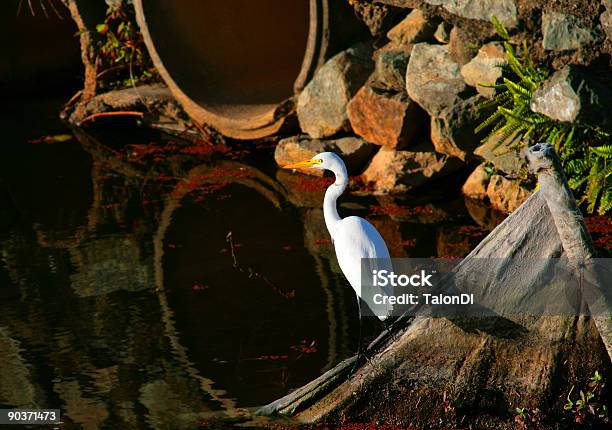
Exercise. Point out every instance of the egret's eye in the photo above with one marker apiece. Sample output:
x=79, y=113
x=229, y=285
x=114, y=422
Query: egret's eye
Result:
x=317, y=161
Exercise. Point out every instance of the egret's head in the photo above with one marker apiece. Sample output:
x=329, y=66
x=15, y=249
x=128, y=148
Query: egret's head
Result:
x=323, y=161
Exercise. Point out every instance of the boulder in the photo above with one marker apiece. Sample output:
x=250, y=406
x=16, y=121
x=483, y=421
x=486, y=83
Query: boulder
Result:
x=442, y=33
x=393, y=171
x=433, y=79
x=506, y=195
x=475, y=186
x=575, y=94
x=503, y=156
x=484, y=68
x=390, y=69
x=321, y=107
x=354, y=151
x=384, y=118
x=561, y=32
x=505, y=10
x=452, y=132
x=416, y=27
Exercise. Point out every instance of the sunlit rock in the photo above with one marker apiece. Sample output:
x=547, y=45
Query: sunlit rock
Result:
x=321, y=106
x=484, y=68
x=398, y=171
x=476, y=184
x=504, y=156
x=355, y=152
x=505, y=194
x=416, y=27
x=384, y=118
x=433, y=79
x=504, y=10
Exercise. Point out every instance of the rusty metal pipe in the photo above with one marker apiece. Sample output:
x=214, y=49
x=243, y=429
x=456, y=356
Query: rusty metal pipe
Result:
x=237, y=64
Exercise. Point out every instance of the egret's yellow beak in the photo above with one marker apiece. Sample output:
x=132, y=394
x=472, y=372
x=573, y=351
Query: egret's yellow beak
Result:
x=301, y=164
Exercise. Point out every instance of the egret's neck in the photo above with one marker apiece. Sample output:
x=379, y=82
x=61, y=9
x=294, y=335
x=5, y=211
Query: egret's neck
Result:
x=335, y=190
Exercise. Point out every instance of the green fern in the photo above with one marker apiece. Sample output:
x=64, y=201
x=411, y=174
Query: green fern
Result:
x=585, y=151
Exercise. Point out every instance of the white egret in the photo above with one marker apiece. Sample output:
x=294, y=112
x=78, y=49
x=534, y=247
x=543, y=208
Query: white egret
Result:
x=353, y=237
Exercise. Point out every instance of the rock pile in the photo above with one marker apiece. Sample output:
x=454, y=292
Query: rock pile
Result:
x=407, y=101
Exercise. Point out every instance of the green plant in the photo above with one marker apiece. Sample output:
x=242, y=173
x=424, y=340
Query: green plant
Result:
x=585, y=150
x=588, y=407
x=121, y=57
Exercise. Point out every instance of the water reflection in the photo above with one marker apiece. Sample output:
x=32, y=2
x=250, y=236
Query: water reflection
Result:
x=120, y=299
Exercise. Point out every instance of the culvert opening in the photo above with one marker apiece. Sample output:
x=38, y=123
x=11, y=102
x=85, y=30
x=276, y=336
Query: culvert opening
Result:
x=235, y=58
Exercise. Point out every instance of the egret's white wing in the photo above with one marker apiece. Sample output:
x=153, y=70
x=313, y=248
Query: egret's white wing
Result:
x=355, y=239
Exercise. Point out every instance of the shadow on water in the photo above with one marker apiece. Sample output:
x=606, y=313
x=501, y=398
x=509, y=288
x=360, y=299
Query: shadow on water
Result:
x=123, y=304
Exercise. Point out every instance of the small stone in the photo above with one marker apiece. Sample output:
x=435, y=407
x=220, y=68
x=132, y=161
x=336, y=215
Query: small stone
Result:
x=452, y=132
x=505, y=10
x=575, y=94
x=390, y=70
x=382, y=118
x=502, y=156
x=442, y=33
x=416, y=27
x=484, y=69
x=321, y=107
x=475, y=186
x=399, y=171
x=354, y=151
x=562, y=32
x=506, y=195
x=433, y=79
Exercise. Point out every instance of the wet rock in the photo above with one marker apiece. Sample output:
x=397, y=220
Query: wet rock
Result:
x=484, y=68
x=433, y=79
x=452, y=132
x=321, y=107
x=502, y=156
x=384, y=118
x=390, y=69
x=476, y=184
x=504, y=10
x=354, y=151
x=398, y=171
x=416, y=27
x=442, y=33
x=505, y=194
x=562, y=32
x=575, y=94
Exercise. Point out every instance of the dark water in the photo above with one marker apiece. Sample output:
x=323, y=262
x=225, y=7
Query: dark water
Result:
x=120, y=300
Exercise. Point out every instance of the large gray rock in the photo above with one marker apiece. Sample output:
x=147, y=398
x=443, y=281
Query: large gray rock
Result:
x=416, y=27
x=484, y=69
x=561, y=32
x=321, y=107
x=452, y=132
x=504, y=10
x=399, y=171
x=390, y=71
x=355, y=152
x=575, y=94
x=433, y=79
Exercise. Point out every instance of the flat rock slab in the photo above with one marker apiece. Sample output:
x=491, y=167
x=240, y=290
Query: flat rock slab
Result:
x=399, y=171
x=355, y=152
x=321, y=106
x=382, y=118
x=433, y=79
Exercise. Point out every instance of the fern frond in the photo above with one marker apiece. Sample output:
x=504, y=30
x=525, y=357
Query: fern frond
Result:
x=500, y=28
x=604, y=151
